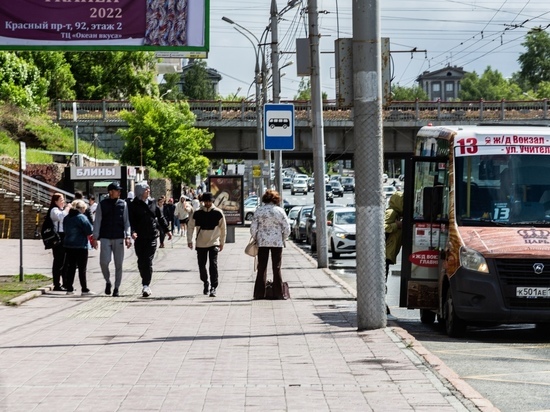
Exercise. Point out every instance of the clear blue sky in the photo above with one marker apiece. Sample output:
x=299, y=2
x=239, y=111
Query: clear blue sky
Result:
x=470, y=34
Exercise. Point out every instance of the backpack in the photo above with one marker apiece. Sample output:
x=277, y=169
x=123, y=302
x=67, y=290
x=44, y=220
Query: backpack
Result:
x=49, y=235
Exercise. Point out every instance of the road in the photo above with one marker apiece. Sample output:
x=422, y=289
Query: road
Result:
x=509, y=365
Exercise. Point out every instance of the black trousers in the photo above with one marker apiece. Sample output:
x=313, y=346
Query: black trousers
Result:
x=75, y=258
x=209, y=254
x=145, y=252
x=58, y=262
x=261, y=277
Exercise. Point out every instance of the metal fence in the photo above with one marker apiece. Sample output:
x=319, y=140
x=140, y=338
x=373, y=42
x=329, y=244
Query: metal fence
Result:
x=245, y=110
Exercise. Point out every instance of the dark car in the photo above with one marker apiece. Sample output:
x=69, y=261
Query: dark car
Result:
x=311, y=184
x=299, y=228
x=348, y=183
x=337, y=189
x=328, y=193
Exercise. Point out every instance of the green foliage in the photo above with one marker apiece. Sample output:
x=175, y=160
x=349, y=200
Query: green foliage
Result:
x=491, y=85
x=304, y=90
x=535, y=62
x=11, y=287
x=161, y=135
x=171, y=82
x=403, y=94
x=20, y=82
x=112, y=74
x=196, y=84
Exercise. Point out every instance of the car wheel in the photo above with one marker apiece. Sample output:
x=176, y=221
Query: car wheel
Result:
x=454, y=326
x=427, y=317
x=292, y=192
x=249, y=216
x=335, y=255
x=331, y=200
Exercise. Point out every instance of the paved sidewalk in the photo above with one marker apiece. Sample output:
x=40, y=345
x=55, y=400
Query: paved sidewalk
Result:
x=182, y=351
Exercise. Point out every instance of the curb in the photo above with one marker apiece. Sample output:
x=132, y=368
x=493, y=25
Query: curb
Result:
x=28, y=296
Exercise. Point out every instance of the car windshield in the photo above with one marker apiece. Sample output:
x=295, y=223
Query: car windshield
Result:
x=511, y=189
x=344, y=218
x=293, y=213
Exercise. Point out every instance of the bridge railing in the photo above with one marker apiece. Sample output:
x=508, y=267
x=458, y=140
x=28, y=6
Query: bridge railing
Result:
x=245, y=110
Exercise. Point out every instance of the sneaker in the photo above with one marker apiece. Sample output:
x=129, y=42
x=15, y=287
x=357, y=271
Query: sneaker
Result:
x=59, y=289
x=205, y=290
x=70, y=292
x=146, y=291
x=213, y=292
x=88, y=292
x=107, y=288
x=115, y=292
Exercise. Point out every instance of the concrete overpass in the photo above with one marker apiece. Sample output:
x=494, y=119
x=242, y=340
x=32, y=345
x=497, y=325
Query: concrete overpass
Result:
x=234, y=124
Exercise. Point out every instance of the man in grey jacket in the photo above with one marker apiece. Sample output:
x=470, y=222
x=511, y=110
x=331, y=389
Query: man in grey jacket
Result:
x=210, y=224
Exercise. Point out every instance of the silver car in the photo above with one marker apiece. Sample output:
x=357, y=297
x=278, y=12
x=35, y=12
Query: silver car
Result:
x=299, y=186
x=341, y=231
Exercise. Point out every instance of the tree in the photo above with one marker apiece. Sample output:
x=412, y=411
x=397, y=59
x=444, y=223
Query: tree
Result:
x=404, y=94
x=164, y=133
x=113, y=74
x=535, y=62
x=21, y=83
x=490, y=86
x=304, y=90
x=196, y=83
x=171, y=82
x=56, y=70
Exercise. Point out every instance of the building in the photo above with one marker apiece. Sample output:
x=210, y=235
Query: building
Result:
x=443, y=84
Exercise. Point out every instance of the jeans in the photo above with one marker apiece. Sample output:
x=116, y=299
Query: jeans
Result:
x=145, y=252
x=210, y=254
x=58, y=262
x=75, y=258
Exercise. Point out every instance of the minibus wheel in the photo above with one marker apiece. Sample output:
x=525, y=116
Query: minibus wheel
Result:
x=454, y=326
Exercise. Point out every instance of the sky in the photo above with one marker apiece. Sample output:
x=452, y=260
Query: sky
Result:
x=469, y=34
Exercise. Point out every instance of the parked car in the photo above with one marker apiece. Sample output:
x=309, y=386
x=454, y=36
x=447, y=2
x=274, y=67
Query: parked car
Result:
x=337, y=189
x=348, y=183
x=341, y=231
x=299, y=227
x=384, y=178
x=292, y=215
x=311, y=227
x=250, y=206
x=298, y=186
x=287, y=182
x=311, y=184
x=300, y=176
x=328, y=193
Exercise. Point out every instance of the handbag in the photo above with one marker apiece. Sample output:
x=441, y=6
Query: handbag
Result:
x=252, y=248
x=269, y=290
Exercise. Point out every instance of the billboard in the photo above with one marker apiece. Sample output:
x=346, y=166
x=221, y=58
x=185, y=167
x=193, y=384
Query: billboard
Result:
x=83, y=25
x=228, y=196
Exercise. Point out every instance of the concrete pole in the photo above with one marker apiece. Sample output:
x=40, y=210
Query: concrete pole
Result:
x=368, y=134
x=318, y=136
x=259, y=119
x=276, y=90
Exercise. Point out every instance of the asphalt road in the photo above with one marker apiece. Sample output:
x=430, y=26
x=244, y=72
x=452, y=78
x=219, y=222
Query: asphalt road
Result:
x=507, y=364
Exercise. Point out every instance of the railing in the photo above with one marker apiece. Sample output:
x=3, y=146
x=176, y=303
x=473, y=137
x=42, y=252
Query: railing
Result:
x=245, y=111
x=33, y=190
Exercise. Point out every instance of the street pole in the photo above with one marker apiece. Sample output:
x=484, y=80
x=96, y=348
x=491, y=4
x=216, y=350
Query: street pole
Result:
x=318, y=136
x=368, y=135
x=276, y=90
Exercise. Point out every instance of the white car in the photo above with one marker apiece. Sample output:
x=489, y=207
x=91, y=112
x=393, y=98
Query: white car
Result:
x=341, y=231
x=388, y=191
x=384, y=178
x=299, y=186
x=250, y=206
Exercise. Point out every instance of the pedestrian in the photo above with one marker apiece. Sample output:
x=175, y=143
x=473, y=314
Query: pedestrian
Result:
x=146, y=221
x=92, y=207
x=170, y=215
x=270, y=228
x=210, y=224
x=183, y=210
x=160, y=205
x=393, y=229
x=77, y=228
x=112, y=229
x=87, y=213
x=57, y=212
x=195, y=203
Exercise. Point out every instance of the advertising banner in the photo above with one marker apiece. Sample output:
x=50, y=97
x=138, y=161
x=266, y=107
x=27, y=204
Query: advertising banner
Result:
x=228, y=196
x=179, y=25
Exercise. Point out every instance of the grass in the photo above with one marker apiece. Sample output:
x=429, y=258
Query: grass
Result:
x=11, y=287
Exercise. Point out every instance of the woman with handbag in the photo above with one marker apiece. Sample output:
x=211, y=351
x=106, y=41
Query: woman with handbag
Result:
x=57, y=212
x=270, y=228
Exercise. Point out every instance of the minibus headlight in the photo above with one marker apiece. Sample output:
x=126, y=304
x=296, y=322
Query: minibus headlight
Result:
x=473, y=260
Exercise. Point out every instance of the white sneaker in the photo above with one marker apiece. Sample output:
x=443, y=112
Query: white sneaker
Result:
x=70, y=292
x=146, y=291
x=89, y=293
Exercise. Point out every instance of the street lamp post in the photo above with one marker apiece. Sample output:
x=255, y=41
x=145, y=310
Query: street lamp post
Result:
x=165, y=93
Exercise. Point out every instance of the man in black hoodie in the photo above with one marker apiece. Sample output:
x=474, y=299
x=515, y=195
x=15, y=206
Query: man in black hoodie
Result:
x=146, y=221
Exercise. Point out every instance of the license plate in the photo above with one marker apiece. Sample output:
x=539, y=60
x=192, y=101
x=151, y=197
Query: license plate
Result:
x=535, y=292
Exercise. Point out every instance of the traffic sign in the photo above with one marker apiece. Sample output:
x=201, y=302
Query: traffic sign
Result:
x=279, y=126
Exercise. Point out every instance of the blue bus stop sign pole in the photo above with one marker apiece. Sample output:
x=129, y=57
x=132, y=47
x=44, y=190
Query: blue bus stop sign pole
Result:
x=279, y=126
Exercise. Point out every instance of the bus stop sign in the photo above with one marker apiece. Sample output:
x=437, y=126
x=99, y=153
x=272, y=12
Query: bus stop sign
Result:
x=278, y=127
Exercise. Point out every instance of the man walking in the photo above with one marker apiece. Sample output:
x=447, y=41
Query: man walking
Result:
x=211, y=227
x=112, y=229
x=146, y=221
